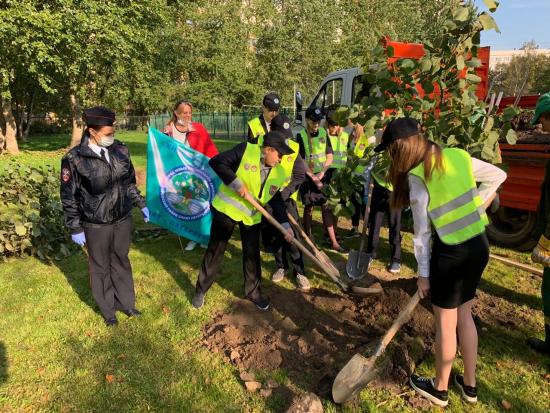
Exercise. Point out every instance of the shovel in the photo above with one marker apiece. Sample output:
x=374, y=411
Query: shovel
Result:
x=333, y=273
x=359, y=371
x=320, y=255
x=358, y=261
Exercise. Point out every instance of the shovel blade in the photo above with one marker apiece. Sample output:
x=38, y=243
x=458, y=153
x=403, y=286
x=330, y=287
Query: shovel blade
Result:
x=355, y=375
x=357, y=265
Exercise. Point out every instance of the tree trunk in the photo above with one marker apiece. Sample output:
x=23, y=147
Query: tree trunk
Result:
x=11, y=132
x=78, y=124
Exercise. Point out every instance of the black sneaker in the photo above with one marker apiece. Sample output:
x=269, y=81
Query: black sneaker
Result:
x=262, y=303
x=469, y=394
x=111, y=322
x=425, y=387
x=539, y=345
x=198, y=300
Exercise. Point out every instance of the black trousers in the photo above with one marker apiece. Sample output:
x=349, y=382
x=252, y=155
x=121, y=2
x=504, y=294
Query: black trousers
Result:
x=380, y=207
x=220, y=233
x=109, y=267
x=281, y=247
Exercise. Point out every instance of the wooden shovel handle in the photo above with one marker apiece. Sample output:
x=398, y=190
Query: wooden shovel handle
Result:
x=295, y=242
x=401, y=319
x=302, y=233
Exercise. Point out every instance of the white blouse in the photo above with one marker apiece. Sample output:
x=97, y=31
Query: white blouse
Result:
x=490, y=177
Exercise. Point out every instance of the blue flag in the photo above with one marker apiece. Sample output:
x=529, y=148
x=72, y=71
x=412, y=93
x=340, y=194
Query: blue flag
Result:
x=180, y=187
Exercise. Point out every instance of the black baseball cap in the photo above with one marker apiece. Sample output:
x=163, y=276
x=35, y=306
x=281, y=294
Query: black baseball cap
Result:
x=277, y=140
x=330, y=117
x=281, y=123
x=99, y=116
x=399, y=128
x=272, y=101
x=314, y=113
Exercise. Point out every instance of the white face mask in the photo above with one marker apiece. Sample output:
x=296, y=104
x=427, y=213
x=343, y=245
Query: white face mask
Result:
x=105, y=141
x=181, y=122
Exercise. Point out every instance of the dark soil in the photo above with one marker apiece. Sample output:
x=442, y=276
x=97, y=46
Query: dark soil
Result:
x=534, y=137
x=313, y=335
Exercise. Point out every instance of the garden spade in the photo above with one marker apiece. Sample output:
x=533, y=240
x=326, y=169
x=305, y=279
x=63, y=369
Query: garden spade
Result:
x=358, y=261
x=333, y=273
x=359, y=371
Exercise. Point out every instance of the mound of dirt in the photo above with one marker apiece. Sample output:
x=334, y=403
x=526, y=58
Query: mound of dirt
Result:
x=533, y=136
x=313, y=335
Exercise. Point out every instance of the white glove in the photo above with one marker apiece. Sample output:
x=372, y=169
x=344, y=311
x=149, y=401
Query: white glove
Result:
x=79, y=239
x=145, y=213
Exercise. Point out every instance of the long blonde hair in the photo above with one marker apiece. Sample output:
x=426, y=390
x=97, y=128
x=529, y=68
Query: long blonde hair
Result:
x=405, y=154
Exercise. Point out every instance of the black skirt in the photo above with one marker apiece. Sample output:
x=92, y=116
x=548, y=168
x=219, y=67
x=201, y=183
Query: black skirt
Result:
x=455, y=270
x=310, y=194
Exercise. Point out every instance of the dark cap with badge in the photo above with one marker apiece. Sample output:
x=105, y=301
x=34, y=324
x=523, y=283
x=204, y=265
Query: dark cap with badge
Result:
x=281, y=123
x=272, y=102
x=99, y=116
x=277, y=140
x=399, y=128
x=314, y=113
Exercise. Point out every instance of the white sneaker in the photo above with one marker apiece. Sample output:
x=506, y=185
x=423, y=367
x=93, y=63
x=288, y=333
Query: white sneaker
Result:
x=191, y=246
x=303, y=282
x=278, y=275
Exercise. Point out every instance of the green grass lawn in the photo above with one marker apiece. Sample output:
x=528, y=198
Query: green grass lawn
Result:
x=56, y=354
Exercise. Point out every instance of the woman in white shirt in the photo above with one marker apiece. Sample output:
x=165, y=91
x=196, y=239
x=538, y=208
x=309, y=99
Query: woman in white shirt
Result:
x=440, y=186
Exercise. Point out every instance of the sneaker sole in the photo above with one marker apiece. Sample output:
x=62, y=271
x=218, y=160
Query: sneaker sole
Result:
x=395, y=271
x=277, y=280
x=262, y=308
x=428, y=396
x=465, y=397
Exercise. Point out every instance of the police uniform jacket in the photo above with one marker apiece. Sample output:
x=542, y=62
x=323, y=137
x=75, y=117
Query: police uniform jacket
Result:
x=94, y=191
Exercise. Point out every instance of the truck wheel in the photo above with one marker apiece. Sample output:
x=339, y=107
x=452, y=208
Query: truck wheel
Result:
x=512, y=228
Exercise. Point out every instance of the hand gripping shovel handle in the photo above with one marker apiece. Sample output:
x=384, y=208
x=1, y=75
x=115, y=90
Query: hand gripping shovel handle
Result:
x=297, y=243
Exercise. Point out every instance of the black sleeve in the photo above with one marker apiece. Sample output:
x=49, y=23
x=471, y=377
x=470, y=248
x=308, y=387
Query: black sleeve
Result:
x=279, y=208
x=329, y=150
x=135, y=195
x=68, y=187
x=302, y=149
x=225, y=164
x=297, y=179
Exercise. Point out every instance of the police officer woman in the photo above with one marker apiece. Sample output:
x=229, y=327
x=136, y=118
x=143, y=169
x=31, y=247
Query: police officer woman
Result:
x=98, y=192
x=440, y=185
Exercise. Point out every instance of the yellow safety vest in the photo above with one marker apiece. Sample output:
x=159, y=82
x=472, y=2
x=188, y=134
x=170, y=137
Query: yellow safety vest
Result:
x=235, y=207
x=287, y=162
x=339, y=150
x=256, y=127
x=317, y=155
x=455, y=208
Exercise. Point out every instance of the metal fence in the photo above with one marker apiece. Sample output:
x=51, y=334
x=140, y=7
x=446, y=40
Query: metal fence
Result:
x=220, y=125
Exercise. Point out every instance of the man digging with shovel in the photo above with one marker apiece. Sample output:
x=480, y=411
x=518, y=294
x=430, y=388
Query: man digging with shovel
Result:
x=247, y=171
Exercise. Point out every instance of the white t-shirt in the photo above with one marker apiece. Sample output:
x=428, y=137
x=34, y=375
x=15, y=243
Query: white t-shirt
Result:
x=179, y=136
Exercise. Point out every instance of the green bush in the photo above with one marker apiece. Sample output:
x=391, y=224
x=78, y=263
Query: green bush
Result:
x=31, y=216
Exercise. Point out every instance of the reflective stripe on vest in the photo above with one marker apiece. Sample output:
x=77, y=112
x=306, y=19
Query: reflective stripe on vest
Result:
x=455, y=208
x=316, y=157
x=235, y=207
x=256, y=127
x=339, y=150
x=287, y=162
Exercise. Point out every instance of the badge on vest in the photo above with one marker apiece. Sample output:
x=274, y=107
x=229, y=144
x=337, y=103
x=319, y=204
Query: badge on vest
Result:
x=246, y=166
x=289, y=158
x=362, y=146
x=272, y=190
x=253, y=168
x=322, y=140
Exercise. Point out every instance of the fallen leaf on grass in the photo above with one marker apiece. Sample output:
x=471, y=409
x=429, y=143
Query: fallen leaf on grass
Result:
x=166, y=310
x=109, y=378
x=121, y=356
x=506, y=404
